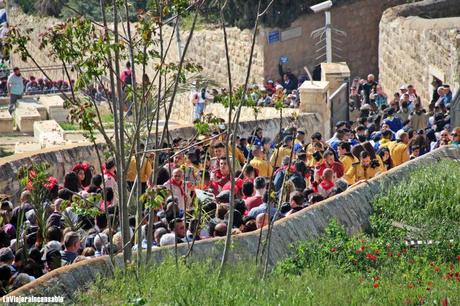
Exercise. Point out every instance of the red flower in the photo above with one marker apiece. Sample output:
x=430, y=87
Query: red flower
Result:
x=333, y=250
x=371, y=257
x=457, y=274
x=449, y=275
x=376, y=252
x=398, y=254
x=376, y=278
x=376, y=285
x=388, y=245
x=390, y=254
x=362, y=248
x=458, y=257
x=445, y=302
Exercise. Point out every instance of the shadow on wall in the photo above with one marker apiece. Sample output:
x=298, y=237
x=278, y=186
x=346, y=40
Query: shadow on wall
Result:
x=351, y=209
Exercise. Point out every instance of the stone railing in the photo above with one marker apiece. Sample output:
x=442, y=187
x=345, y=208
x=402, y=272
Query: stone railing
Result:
x=351, y=209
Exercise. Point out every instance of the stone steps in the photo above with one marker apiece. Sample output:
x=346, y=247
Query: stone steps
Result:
x=54, y=105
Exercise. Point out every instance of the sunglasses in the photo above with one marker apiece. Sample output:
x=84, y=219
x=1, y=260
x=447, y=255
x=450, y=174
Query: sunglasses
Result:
x=454, y=134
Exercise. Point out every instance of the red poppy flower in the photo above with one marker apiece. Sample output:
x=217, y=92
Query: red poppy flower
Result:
x=449, y=275
x=457, y=274
x=376, y=285
x=371, y=257
x=390, y=254
x=333, y=250
x=376, y=278
x=458, y=257
x=445, y=302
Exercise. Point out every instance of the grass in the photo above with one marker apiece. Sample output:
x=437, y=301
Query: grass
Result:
x=376, y=268
x=198, y=284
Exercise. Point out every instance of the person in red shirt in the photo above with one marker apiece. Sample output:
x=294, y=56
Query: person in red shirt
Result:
x=258, y=198
x=203, y=176
x=327, y=183
x=126, y=76
x=222, y=174
x=329, y=162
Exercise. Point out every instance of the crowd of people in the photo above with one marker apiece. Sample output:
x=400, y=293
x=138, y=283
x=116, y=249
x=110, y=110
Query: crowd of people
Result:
x=274, y=178
x=281, y=93
x=16, y=86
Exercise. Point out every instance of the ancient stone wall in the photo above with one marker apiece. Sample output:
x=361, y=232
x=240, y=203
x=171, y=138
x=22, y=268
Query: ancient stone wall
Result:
x=413, y=48
x=351, y=209
x=360, y=19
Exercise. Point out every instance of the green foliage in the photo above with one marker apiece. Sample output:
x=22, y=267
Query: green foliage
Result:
x=198, y=284
x=429, y=201
x=27, y=6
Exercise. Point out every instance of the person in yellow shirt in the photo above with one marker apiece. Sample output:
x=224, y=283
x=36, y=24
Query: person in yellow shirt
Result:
x=346, y=158
x=400, y=151
x=361, y=170
x=262, y=166
x=284, y=151
x=146, y=169
x=386, y=139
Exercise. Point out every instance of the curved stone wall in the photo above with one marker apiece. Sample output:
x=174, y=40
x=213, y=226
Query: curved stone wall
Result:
x=352, y=209
x=418, y=41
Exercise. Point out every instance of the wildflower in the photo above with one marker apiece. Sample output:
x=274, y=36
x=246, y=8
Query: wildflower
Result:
x=458, y=257
x=376, y=285
x=457, y=274
x=449, y=275
x=398, y=254
x=333, y=250
x=388, y=246
x=376, y=252
x=410, y=285
x=390, y=254
x=371, y=257
x=445, y=302
x=376, y=278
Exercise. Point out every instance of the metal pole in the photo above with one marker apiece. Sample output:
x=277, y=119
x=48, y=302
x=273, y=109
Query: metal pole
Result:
x=328, y=37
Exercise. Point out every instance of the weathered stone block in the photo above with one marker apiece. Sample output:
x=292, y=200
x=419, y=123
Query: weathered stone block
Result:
x=32, y=103
x=48, y=132
x=54, y=104
x=25, y=118
x=6, y=122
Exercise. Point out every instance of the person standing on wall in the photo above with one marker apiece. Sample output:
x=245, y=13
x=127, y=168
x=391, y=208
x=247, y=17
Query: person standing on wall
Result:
x=198, y=99
x=16, y=87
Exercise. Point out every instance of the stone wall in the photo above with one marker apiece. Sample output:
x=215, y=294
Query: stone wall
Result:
x=351, y=209
x=413, y=49
x=360, y=19
x=206, y=48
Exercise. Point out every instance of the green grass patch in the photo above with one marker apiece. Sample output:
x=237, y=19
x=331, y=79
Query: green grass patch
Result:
x=67, y=126
x=375, y=268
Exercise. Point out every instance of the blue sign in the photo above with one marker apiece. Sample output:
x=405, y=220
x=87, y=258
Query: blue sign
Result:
x=284, y=60
x=274, y=37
